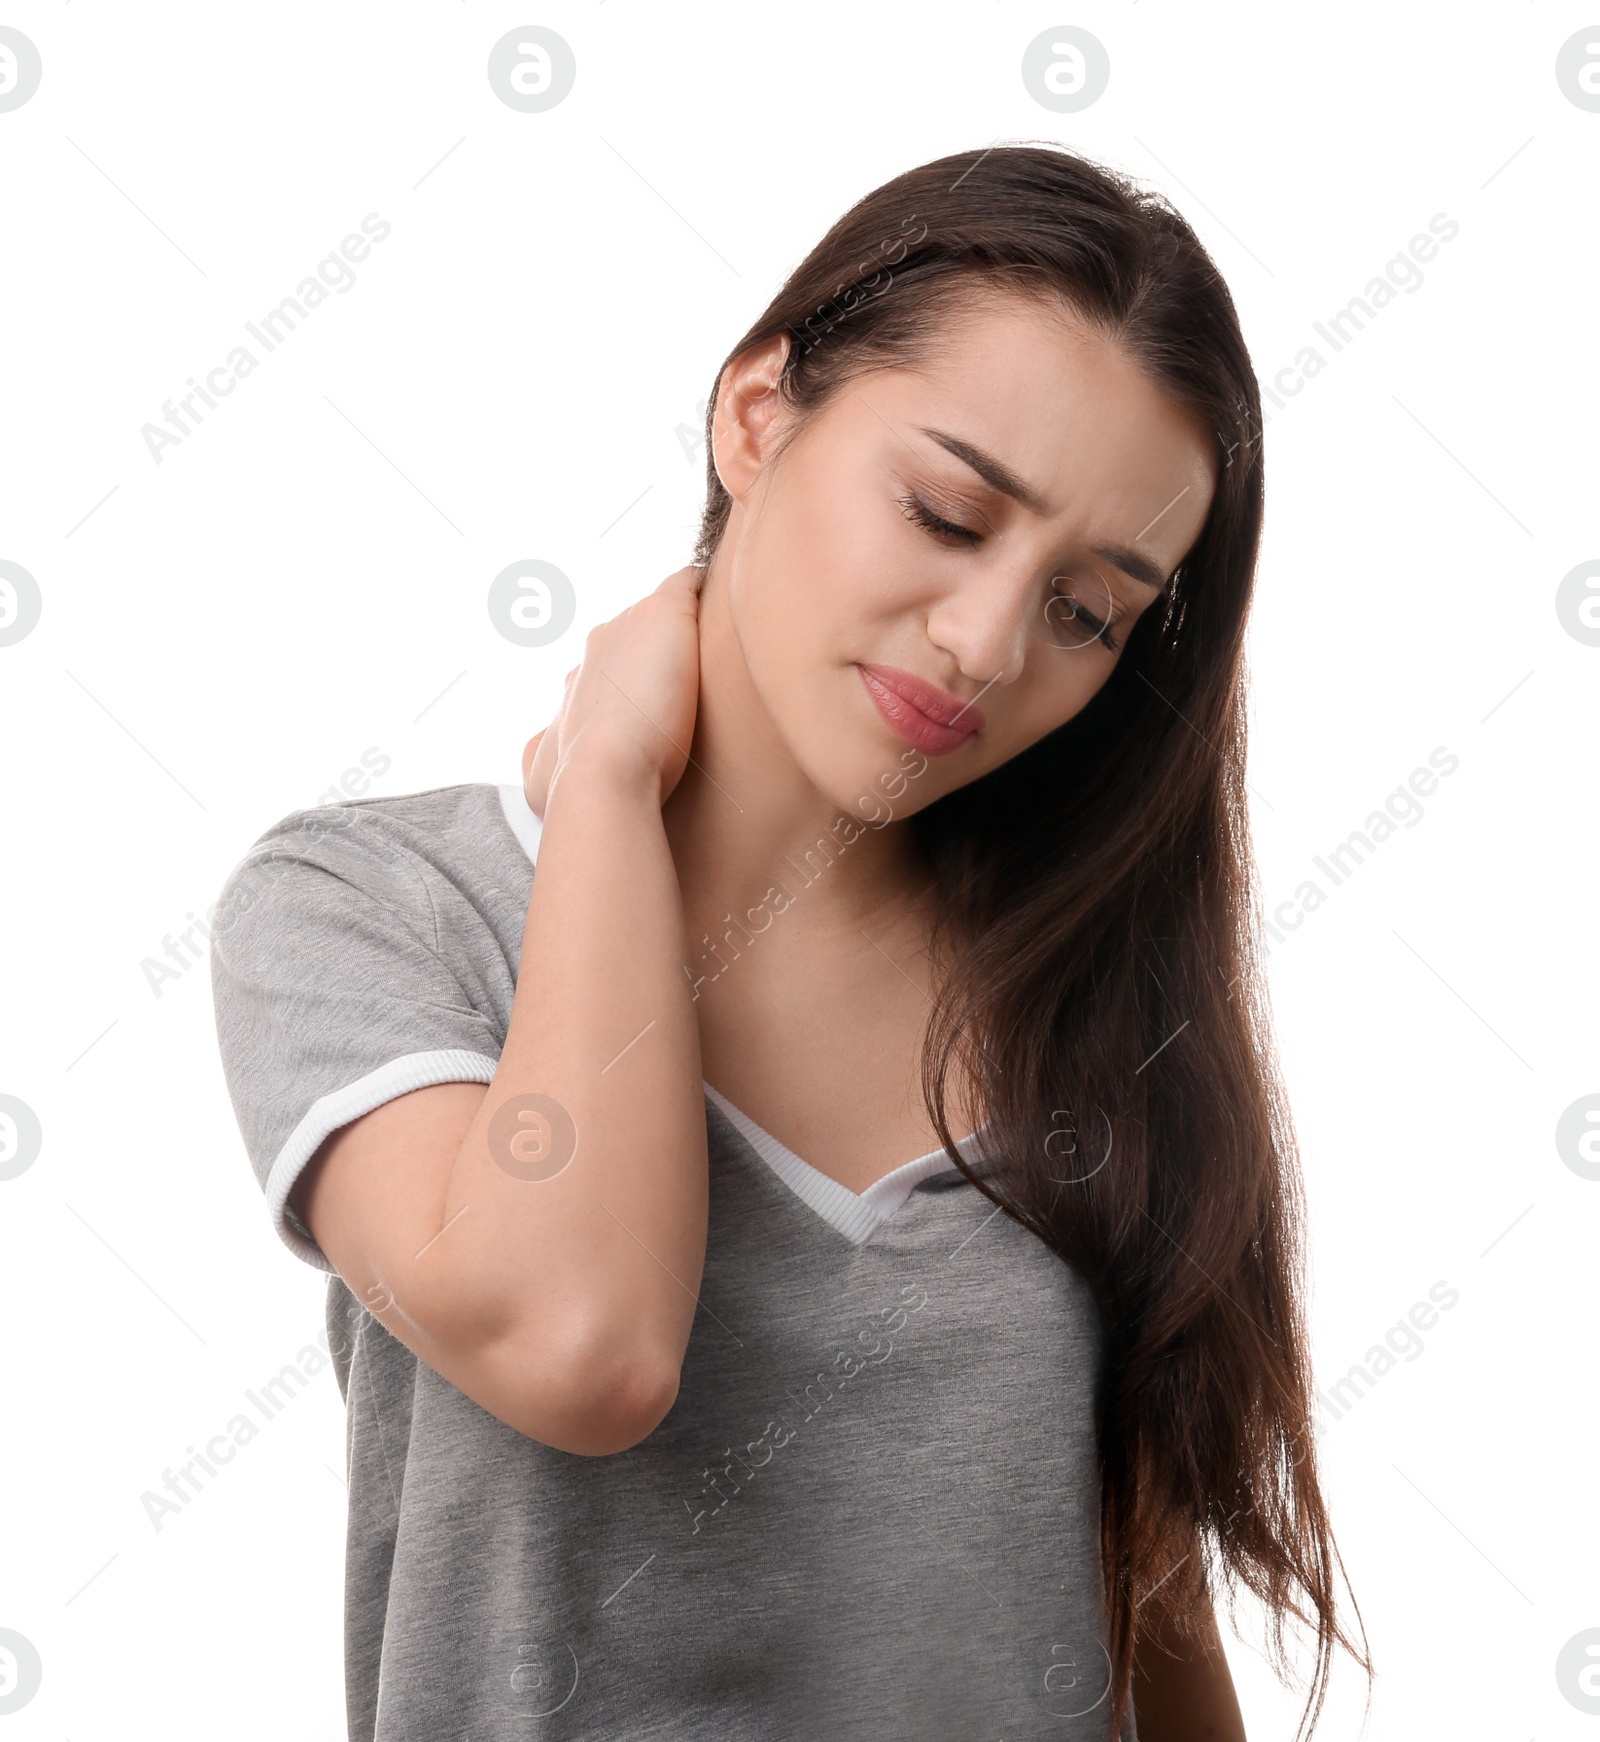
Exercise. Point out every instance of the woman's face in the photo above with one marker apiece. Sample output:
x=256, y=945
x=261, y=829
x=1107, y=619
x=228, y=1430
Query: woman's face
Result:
x=945, y=563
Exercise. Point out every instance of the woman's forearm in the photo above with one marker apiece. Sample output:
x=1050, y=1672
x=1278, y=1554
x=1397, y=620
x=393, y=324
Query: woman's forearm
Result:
x=582, y=1245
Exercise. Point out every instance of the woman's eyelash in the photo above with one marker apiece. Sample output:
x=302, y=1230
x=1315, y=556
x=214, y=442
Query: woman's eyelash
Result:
x=915, y=509
x=1098, y=631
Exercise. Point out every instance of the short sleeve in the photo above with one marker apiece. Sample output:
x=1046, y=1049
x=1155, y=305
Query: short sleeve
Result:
x=332, y=995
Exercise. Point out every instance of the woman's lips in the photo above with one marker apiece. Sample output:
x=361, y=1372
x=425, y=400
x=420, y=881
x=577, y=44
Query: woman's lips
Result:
x=923, y=715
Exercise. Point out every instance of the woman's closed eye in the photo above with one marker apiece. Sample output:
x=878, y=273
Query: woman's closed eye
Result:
x=1075, y=612
x=915, y=509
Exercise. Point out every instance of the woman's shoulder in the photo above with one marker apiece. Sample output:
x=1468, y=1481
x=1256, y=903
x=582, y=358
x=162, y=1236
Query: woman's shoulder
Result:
x=434, y=813
x=437, y=822
x=400, y=849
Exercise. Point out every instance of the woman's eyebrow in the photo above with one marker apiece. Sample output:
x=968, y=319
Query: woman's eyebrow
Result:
x=1000, y=477
x=991, y=470
x=1135, y=567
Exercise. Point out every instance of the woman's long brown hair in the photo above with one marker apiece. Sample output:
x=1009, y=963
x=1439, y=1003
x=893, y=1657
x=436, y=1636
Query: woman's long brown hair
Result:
x=1108, y=999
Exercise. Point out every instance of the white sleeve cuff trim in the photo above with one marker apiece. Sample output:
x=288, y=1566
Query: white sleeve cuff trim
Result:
x=416, y=1070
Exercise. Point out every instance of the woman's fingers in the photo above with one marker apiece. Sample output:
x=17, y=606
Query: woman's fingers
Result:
x=637, y=684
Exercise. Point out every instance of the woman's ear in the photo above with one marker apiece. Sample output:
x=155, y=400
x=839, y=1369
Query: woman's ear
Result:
x=748, y=406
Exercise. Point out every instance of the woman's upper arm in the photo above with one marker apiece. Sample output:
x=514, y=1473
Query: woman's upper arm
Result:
x=372, y=1197
x=371, y=1194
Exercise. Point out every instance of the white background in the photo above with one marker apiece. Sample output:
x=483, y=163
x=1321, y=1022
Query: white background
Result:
x=517, y=373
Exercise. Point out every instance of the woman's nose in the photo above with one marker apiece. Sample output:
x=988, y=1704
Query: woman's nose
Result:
x=984, y=626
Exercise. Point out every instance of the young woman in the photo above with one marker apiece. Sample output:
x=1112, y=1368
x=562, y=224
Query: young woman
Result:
x=908, y=822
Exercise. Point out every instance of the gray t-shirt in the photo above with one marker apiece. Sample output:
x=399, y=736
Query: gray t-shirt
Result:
x=872, y=1511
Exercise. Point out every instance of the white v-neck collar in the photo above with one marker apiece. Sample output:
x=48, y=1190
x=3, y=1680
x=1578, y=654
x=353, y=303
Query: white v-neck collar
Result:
x=856, y=1215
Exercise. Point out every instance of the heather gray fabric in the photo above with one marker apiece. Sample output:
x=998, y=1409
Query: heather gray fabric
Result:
x=871, y=1512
